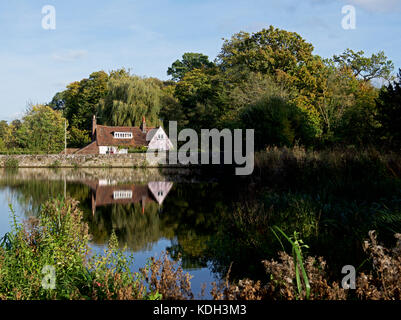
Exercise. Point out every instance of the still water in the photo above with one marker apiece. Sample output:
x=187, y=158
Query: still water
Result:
x=216, y=222
x=150, y=211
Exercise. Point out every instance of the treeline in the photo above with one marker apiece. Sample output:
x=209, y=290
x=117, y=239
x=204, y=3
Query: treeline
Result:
x=268, y=80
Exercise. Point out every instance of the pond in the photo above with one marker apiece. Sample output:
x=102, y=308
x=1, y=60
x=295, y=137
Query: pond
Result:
x=150, y=210
x=214, y=223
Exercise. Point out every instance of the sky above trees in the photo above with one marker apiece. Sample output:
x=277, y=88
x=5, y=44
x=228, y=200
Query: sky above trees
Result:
x=148, y=36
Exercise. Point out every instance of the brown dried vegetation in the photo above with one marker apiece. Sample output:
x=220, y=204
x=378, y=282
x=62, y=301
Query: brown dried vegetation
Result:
x=168, y=278
x=384, y=283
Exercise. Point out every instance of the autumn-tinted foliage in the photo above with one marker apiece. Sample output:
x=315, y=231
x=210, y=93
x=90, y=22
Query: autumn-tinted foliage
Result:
x=325, y=102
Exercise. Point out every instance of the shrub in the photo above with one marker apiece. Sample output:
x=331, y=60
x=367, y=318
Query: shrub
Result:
x=141, y=149
x=11, y=162
x=55, y=164
x=60, y=239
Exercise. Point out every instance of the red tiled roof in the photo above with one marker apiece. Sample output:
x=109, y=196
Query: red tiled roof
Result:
x=89, y=149
x=104, y=136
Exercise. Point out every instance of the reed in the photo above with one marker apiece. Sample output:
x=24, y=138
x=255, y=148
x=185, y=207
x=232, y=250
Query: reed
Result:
x=297, y=245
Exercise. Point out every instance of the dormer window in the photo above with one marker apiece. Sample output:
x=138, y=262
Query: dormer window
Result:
x=122, y=135
x=122, y=194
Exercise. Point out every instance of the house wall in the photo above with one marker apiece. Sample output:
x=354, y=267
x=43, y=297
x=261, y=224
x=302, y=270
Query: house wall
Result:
x=160, y=143
x=104, y=149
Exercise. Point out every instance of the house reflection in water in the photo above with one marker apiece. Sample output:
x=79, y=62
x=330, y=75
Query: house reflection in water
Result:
x=106, y=192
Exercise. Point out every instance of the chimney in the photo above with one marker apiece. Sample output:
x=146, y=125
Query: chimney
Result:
x=143, y=125
x=94, y=128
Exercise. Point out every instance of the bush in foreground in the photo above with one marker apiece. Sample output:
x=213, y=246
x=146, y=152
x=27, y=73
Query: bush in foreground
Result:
x=59, y=239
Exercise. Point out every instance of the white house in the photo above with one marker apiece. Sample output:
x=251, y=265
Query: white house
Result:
x=117, y=140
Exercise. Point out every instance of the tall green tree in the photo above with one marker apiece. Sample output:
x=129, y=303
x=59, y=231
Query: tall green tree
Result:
x=284, y=55
x=42, y=129
x=79, y=101
x=203, y=98
x=276, y=122
x=8, y=134
x=367, y=68
x=189, y=62
x=128, y=99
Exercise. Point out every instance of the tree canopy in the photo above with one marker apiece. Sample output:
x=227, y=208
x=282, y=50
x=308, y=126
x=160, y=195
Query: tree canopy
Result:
x=270, y=80
x=42, y=129
x=128, y=99
x=189, y=62
x=377, y=66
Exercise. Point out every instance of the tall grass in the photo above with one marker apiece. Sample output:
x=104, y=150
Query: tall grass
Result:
x=296, y=245
x=59, y=239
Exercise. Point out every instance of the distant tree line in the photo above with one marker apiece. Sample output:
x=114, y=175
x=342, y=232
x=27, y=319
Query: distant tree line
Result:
x=268, y=80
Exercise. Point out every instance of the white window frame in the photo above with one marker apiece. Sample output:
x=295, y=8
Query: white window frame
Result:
x=123, y=135
x=122, y=194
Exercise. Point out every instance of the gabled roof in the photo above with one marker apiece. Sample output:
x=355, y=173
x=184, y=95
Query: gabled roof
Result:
x=105, y=136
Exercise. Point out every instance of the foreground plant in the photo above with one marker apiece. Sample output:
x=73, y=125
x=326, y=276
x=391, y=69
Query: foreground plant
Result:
x=59, y=240
x=384, y=281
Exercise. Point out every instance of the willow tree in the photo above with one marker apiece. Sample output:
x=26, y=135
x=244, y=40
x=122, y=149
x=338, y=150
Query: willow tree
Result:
x=128, y=99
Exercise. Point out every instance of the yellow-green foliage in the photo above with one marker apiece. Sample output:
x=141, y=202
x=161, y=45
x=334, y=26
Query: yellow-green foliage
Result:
x=59, y=238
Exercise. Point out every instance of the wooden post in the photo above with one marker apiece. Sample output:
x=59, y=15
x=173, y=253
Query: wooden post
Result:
x=65, y=137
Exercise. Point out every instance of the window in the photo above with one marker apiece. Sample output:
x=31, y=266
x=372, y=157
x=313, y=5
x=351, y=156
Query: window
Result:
x=161, y=136
x=118, y=195
x=123, y=135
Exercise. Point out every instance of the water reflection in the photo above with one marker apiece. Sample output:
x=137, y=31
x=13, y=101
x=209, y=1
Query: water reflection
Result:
x=149, y=211
x=144, y=207
x=110, y=192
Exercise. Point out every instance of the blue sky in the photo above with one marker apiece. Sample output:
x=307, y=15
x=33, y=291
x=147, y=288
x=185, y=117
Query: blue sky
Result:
x=148, y=35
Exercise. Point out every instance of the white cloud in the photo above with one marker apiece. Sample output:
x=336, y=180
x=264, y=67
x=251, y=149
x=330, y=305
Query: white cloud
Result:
x=70, y=55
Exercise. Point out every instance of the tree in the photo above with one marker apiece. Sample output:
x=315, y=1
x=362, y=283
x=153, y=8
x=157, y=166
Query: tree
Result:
x=42, y=129
x=3, y=128
x=203, y=99
x=276, y=122
x=128, y=99
x=8, y=133
x=79, y=101
x=377, y=66
x=189, y=62
x=256, y=87
x=358, y=123
x=171, y=108
x=78, y=138
x=266, y=51
x=389, y=113
x=285, y=56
